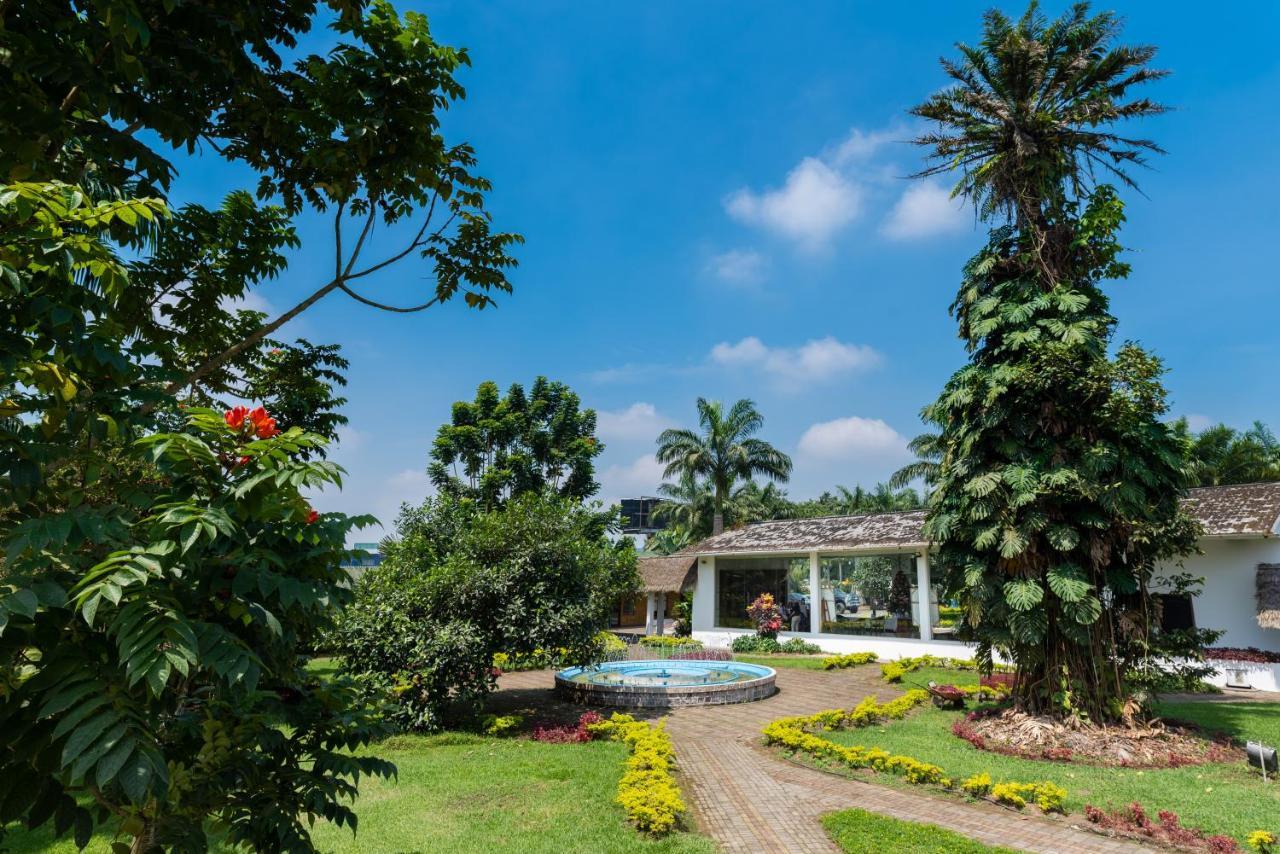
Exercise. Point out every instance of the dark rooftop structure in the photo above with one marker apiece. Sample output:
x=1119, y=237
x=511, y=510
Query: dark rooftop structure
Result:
x=1243, y=510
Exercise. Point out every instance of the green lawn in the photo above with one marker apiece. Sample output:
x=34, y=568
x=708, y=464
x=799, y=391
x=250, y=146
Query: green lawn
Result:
x=860, y=832
x=1217, y=798
x=460, y=792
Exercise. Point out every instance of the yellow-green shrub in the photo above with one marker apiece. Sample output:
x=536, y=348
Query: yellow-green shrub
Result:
x=500, y=724
x=893, y=671
x=979, y=785
x=647, y=792
x=852, y=659
x=1262, y=840
x=1048, y=796
x=796, y=734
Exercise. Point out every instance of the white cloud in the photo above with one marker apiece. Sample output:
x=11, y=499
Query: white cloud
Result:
x=639, y=477
x=860, y=145
x=816, y=360
x=639, y=421
x=813, y=204
x=853, y=438
x=925, y=210
x=738, y=266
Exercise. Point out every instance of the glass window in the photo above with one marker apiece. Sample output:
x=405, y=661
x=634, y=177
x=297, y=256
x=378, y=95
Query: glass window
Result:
x=869, y=595
x=740, y=580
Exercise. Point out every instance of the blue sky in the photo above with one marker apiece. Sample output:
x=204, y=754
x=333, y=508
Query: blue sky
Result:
x=713, y=202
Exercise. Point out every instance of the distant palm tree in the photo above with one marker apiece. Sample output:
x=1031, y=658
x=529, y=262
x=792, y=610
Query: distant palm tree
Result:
x=724, y=453
x=687, y=504
x=1025, y=120
x=928, y=451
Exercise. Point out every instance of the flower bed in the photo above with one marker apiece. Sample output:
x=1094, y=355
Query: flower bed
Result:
x=669, y=642
x=852, y=659
x=1167, y=829
x=796, y=734
x=1035, y=737
x=647, y=792
x=893, y=671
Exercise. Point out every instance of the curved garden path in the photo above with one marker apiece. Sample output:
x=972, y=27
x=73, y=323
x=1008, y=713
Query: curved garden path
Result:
x=747, y=798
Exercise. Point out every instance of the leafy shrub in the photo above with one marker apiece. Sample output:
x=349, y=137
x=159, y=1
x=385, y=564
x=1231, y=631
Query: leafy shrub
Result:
x=796, y=734
x=499, y=725
x=160, y=662
x=851, y=659
x=799, y=646
x=609, y=644
x=893, y=671
x=460, y=584
x=668, y=641
x=979, y=785
x=647, y=791
x=1262, y=841
x=1048, y=796
x=755, y=643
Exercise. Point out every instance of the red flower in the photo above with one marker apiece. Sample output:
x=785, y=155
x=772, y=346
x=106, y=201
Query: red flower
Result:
x=312, y=516
x=263, y=425
x=235, y=417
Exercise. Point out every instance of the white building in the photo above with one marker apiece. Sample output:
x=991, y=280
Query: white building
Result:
x=1240, y=564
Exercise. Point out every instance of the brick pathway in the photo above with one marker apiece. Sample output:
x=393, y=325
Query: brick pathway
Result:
x=747, y=798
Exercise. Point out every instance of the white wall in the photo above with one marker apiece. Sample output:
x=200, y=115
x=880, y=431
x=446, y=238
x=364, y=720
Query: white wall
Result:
x=1228, y=599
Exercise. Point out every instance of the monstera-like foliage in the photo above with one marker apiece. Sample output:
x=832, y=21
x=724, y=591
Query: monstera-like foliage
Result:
x=1057, y=488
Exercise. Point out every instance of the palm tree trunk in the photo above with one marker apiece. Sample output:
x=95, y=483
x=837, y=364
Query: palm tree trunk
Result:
x=717, y=523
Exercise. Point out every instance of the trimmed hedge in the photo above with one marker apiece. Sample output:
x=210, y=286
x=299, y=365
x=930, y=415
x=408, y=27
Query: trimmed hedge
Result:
x=647, y=791
x=796, y=734
x=852, y=659
x=669, y=641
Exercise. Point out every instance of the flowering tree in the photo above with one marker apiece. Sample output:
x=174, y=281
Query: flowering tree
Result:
x=764, y=612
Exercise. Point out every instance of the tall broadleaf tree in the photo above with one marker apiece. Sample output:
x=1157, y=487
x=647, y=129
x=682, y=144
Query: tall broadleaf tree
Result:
x=497, y=447
x=1056, y=483
x=162, y=571
x=724, y=453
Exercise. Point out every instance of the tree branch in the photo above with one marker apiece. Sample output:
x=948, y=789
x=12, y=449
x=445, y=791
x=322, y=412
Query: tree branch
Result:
x=386, y=307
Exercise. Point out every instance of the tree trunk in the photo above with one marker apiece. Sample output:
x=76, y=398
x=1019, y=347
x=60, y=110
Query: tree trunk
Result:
x=717, y=523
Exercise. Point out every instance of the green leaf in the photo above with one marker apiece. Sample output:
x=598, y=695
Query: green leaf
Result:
x=23, y=602
x=136, y=777
x=1023, y=594
x=111, y=764
x=1068, y=583
x=1085, y=612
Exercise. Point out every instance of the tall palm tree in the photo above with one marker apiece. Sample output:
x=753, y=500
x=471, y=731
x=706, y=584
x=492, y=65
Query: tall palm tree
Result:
x=724, y=453
x=1025, y=118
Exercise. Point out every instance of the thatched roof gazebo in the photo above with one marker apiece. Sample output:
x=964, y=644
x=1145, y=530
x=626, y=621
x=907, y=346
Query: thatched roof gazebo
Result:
x=660, y=576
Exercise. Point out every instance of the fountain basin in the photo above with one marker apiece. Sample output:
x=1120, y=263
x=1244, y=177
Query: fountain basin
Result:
x=664, y=684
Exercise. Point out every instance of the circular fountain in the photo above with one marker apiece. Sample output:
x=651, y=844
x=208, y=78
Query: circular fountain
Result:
x=666, y=683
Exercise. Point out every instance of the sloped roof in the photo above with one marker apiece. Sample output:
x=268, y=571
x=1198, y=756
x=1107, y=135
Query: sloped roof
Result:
x=1239, y=509
x=867, y=531
x=1251, y=509
x=666, y=574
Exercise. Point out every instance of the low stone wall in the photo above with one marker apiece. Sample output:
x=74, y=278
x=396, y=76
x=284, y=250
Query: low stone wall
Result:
x=662, y=697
